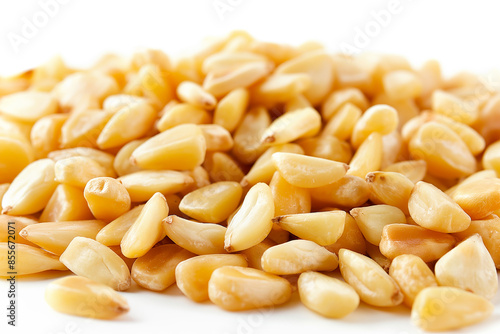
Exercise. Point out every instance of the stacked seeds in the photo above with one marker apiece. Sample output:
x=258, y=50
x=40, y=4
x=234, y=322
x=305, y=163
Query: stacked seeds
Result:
x=248, y=170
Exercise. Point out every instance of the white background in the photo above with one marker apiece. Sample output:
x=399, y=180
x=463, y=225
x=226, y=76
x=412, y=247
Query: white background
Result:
x=460, y=34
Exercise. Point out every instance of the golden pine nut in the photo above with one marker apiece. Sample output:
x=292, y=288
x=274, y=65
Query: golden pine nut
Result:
x=390, y=188
x=351, y=238
x=368, y=157
x=378, y=118
x=350, y=191
x=107, y=198
x=341, y=125
x=327, y=147
x=67, y=203
x=231, y=109
x=414, y=170
x=83, y=297
x=77, y=171
x=247, y=147
x=35, y=260
x=371, y=220
x=45, y=134
x=326, y=295
x=28, y=106
x=18, y=223
x=55, y=237
x=192, y=93
x=336, y=100
x=288, y=199
x=113, y=233
x=192, y=275
x=182, y=113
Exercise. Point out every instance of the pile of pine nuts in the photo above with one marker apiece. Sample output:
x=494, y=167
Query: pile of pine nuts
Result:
x=247, y=171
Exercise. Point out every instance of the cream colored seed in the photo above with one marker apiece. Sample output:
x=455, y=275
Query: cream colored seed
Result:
x=226, y=61
x=350, y=191
x=142, y=115
x=390, y=188
x=147, y=229
x=107, y=198
x=318, y=66
x=66, y=204
x=446, y=154
x=222, y=167
x=489, y=230
x=368, y=157
x=231, y=108
x=293, y=125
x=192, y=93
x=247, y=147
x=106, y=160
x=219, y=84
x=182, y=113
x=88, y=258
x=379, y=118
x=308, y=172
x=31, y=189
x=453, y=107
x=263, y=169
x=324, y=228
x=213, y=203
x=113, y=233
x=238, y=289
x=35, y=260
x=491, y=157
x=351, y=238
x=412, y=275
x=55, y=237
x=414, y=170
x=371, y=282
x=142, y=185
x=469, y=266
x=182, y=147
x=217, y=138
x=200, y=177
x=16, y=223
x=447, y=308
x=298, y=256
x=45, y=134
x=402, y=84
x=393, y=148
x=398, y=239
x=83, y=128
x=254, y=253
x=156, y=269
x=84, y=90
x=151, y=83
x=327, y=147
x=326, y=295
x=336, y=100
x=431, y=208
x=28, y=106
x=122, y=163
x=16, y=155
x=252, y=223
x=77, y=171
x=116, y=102
x=371, y=220
x=192, y=275
x=342, y=123
x=198, y=238
x=83, y=297
x=288, y=199
x=280, y=88
x=478, y=198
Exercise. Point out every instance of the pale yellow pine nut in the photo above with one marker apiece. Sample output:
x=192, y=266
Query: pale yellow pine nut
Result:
x=372, y=219
x=35, y=260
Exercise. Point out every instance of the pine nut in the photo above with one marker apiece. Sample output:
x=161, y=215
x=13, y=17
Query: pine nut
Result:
x=192, y=275
x=368, y=157
x=339, y=98
x=155, y=270
x=55, y=237
x=35, y=260
x=412, y=275
x=231, y=109
x=308, y=172
x=213, y=203
x=371, y=220
x=390, y=188
x=198, y=238
x=238, y=289
x=351, y=238
x=431, y=208
x=88, y=258
x=469, y=266
x=247, y=147
x=147, y=229
x=324, y=228
x=371, y=282
x=113, y=233
x=107, y=198
x=298, y=256
x=77, y=171
x=252, y=223
x=379, y=118
x=18, y=223
x=326, y=295
x=478, y=198
x=288, y=199
x=192, y=93
x=399, y=239
x=447, y=308
x=28, y=106
x=182, y=113
x=83, y=297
